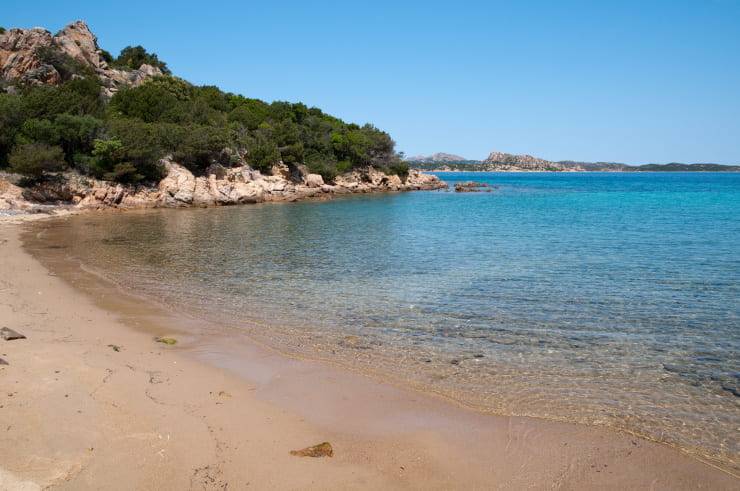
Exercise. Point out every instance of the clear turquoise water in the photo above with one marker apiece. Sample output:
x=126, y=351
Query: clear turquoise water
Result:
x=601, y=298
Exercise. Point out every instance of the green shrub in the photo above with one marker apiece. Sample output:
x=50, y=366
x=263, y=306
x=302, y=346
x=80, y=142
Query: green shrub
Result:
x=126, y=173
x=262, y=154
x=401, y=169
x=77, y=96
x=132, y=57
x=11, y=122
x=36, y=159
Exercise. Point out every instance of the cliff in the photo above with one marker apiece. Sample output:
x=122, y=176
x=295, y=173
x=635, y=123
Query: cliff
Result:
x=36, y=57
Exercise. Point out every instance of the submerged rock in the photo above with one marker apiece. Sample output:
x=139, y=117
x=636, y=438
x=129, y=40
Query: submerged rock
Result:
x=472, y=187
x=321, y=450
x=10, y=335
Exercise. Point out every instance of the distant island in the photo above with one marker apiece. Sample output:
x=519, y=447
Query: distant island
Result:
x=507, y=162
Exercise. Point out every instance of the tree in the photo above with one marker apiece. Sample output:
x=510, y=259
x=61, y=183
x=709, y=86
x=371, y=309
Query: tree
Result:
x=11, y=121
x=132, y=57
x=36, y=159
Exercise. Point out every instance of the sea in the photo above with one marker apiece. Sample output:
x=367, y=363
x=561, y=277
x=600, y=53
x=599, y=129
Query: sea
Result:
x=606, y=299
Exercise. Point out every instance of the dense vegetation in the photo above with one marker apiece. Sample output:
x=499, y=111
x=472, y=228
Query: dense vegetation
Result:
x=46, y=128
x=132, y=57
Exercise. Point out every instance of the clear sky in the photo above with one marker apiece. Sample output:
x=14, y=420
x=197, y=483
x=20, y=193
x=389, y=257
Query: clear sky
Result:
x=629, y=81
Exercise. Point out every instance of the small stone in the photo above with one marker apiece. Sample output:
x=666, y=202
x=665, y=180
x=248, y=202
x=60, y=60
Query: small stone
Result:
x=114, y=347
x=455, y=361
x=3, y=362
x=9, y=334
x=169, y=341
x=321, y=450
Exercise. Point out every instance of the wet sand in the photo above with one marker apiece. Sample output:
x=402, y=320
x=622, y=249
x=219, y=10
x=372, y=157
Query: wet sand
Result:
x=220, y=411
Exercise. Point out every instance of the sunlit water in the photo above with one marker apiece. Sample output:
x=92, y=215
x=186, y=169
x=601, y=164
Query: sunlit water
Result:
x=607, y=299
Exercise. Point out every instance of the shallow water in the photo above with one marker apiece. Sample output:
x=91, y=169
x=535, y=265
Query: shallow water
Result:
x=599, y=298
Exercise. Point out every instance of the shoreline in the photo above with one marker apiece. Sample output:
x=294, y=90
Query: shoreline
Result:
x=395, y=437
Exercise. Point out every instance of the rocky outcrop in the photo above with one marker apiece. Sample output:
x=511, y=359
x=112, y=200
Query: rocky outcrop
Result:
x=220, y=187
x=472, y=187
x=439, y=157
x=498, y=161
x=21, y=60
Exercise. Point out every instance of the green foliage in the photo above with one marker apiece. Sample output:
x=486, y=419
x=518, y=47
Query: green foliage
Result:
x=124, y=139
x=106, y=56
x=36, y=159
x=262, y=154
x=2, y=30
x=401, y=169
x=11, y=122
x=132, y=57
x=78, y=96
x=201, y=146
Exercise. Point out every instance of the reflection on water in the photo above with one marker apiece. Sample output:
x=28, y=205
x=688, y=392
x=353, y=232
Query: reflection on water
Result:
x=609, y=299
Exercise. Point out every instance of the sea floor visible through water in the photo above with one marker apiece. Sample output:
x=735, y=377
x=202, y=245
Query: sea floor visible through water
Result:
x=607, y=299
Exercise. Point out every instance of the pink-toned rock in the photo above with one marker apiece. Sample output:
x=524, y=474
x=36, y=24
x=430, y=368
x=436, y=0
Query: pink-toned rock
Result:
x=314, y=181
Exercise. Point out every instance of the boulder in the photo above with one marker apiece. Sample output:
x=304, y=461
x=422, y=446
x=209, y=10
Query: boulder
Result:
x=314, y=180
x=178, y=187
x=281, y=170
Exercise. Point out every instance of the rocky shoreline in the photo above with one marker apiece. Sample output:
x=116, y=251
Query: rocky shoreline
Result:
x=220, y=187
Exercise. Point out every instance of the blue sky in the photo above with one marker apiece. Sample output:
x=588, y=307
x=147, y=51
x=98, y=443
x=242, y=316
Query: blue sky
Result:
x=629, y=81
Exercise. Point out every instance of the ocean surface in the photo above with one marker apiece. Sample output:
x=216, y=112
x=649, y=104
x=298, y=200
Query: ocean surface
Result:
x=600, y=298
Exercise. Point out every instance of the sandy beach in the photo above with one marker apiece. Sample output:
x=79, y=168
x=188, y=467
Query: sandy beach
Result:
x=90, y=401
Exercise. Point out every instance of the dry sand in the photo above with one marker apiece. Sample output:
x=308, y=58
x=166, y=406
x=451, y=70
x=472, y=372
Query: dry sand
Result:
x=219, y=413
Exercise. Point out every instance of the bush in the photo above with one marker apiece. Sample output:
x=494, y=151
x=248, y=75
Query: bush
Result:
x=132, y=57
x=262, y=154
x=126, y=173
x=401, y=169
x=11, y=121
x=36, y=159
x=78, y=96
x=2, y=30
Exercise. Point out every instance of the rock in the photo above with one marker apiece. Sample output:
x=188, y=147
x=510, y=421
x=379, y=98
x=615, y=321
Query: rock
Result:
x=114, y=347
x=281, y=170
x=3, y=362
x=164, y=340
x=321, y=450
x=216, y=170
x=178, y=186
x=314, y=180
x=20, y=60
x=10, y=335
x=80, y=43
x=298, y=173
x=472, y=187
